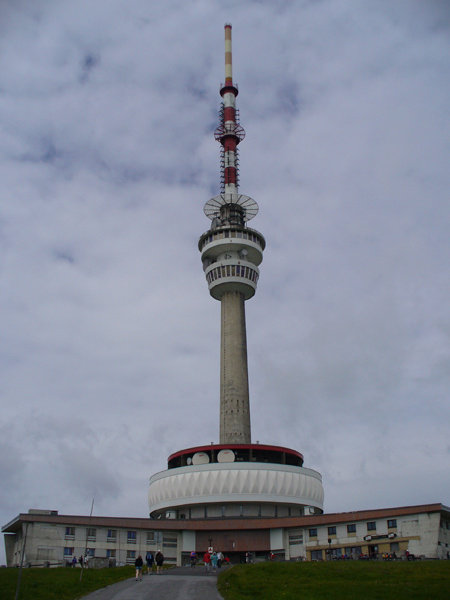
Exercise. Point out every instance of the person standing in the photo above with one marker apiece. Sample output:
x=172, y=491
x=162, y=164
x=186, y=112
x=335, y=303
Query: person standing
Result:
x=74, y=561
x=138, y=563
x=80, y=560
x=219, y=559
x=149, y=559
x=214, y=561
x=207, y=561
x=159, y=562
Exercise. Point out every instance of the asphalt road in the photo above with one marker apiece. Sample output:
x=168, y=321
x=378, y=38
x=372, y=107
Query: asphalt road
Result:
x=180, y=583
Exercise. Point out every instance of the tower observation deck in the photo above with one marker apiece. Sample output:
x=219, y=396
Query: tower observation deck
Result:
x=234, y=477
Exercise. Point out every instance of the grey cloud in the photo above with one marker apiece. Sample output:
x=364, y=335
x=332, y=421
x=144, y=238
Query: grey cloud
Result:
x=110, y=343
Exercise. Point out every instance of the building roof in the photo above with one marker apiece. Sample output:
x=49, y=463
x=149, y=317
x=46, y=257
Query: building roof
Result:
x=15, y=524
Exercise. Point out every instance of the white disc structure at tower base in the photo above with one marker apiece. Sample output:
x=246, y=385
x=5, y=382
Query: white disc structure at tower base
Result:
x=235, y=483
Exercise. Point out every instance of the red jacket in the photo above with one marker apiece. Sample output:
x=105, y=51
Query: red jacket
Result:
x=207, y=557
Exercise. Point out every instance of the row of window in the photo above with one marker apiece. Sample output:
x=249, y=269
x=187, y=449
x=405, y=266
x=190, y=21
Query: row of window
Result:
x=351, y=528
x=220, y=235
x=112, y=535
x=70, y=551
x=232, y=271
x=90, y=552
x=353, y=552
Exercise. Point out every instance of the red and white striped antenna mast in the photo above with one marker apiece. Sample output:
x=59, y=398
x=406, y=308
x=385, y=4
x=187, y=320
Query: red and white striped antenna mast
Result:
x=229, y=134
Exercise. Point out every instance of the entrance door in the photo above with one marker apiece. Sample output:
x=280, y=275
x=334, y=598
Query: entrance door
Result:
x=373, y=551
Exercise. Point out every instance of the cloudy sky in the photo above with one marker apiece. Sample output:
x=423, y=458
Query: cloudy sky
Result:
x=110, y=341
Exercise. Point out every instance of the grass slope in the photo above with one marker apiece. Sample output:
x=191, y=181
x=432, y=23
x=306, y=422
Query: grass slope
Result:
x=58, y=584
x=349, y=580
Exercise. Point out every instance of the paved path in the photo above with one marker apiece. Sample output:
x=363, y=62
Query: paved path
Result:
x=180, y=583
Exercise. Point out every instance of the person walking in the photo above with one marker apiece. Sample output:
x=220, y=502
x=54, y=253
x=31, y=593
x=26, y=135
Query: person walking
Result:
x=159, y=562
x=138, y=563
x=74, y=562
x=80, y=560
x=219, y=559
x=207, y=561
x=193, y=558
x=149, y=560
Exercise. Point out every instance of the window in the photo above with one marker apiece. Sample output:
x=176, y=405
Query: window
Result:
x=111, y=553
x=70, y=532
x=91, y=534
x=332, y=530
x=336, y=552
x=371, y=526
x=295, y=538
x=316, y=555
x=351, y=528
x=313, y=533
x=169, y=541
x=392, y=523
x=131, y=537
x=90, y=552
x=112, y=535
x=150, y=537
x=68, y=551
x=395, y=547
x=131, y=555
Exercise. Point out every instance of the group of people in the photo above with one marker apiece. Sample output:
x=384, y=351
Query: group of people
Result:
x=211, y=560
x=84, y=562
x=149, y=559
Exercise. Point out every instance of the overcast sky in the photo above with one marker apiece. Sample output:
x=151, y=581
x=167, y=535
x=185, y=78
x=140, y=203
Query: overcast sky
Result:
x=110, y=340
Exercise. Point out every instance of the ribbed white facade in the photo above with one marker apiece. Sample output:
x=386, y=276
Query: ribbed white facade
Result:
x=236, y=483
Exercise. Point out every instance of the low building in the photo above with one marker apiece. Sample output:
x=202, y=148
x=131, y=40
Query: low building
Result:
x=50, y=539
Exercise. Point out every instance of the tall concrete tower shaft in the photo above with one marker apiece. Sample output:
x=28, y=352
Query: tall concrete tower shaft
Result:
x=231, y=254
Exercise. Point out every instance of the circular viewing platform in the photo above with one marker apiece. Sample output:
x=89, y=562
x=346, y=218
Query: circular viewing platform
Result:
x=235, y=480
x=230, y=453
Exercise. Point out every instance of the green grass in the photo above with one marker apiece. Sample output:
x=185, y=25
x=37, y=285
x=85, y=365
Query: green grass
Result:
x=349, y=580
x=58, y=584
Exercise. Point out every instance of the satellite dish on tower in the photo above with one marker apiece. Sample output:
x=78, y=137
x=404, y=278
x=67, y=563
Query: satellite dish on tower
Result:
x=226, y=456
x=200, y=458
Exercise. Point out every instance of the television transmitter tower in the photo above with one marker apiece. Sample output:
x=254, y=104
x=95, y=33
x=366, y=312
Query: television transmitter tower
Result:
x=234, y=478
x=231, y=254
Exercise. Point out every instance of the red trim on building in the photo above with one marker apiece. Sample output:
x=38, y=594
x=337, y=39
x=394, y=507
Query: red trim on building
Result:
x=218, y=447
